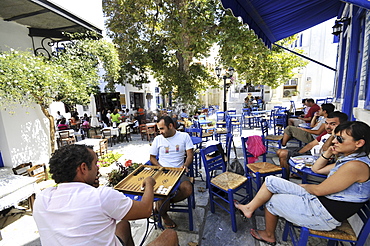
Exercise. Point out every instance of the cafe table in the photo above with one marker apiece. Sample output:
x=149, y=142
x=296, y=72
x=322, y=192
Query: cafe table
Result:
x=301, y=166
x=15, y=188
x=93, y=142
x=113, y=130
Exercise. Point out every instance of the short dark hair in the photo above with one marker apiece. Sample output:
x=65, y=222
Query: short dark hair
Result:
x=337, y=114
x=310, y=100
x=167, y=121
x=358, y=130
x=304, y=100
x=64, y=162
x=328, y=107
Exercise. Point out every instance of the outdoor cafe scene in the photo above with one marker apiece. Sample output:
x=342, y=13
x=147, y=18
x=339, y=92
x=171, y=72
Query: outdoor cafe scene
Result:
x=192, y=123
x=302, y=167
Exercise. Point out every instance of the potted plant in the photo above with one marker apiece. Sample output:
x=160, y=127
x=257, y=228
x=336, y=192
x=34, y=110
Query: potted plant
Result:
x=116, y=175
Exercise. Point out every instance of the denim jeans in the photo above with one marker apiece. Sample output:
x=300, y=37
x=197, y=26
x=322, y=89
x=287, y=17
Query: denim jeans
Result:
x=296, y=205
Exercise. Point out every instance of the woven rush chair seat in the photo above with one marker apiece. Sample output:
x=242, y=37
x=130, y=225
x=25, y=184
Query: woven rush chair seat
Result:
x=263, y=167
x=274, y=137
x=221, y=130
x=228, y=180
x=344, y=232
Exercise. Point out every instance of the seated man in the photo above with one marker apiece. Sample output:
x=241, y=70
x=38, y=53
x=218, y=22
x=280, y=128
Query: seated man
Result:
x=307, y=117
x=78, y=212
x=317, y=124
x=184, y=114
x=321, y=142
x=171, y=147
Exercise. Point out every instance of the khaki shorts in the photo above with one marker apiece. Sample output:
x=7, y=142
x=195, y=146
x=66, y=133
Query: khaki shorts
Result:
x=299, y=134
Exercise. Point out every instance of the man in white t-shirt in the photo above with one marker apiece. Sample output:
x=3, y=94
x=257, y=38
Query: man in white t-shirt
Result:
x=80, y=212
x=172, y=147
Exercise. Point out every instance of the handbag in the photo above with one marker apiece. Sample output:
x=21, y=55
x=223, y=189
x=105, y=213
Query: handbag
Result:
x=235, y=166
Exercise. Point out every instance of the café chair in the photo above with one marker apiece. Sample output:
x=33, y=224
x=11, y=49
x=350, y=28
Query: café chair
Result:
x=223, y=131
x=143, y=131
x=220, y=119
x=65, y=138
x=270, y=141
x=343, y=233
x=196, y=133
x=225, y=185
x=107, y=134
x=258, y=170
x=103, y=147
x=21, y=169
x=248, y=118
x=151, y=132
x=128, y=133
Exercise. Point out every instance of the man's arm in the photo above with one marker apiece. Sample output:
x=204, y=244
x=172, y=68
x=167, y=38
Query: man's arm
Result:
x=154, y=161
x=143, y=209
x=189, y=158
x=308, y=146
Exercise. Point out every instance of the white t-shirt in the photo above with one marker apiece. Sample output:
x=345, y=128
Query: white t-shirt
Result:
x=316, y=150
x=171, y=150
x=78, y=214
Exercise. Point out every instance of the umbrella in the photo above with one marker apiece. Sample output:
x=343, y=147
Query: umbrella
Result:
x=94, y=120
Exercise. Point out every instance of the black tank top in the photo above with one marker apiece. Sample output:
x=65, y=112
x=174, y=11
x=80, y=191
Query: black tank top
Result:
x=340, y=210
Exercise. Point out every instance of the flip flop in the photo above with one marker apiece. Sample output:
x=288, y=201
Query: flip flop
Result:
x=169, y=226
x=260, y=238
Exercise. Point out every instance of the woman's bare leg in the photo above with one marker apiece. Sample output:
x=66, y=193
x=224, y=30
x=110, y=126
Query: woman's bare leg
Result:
x=262, y=196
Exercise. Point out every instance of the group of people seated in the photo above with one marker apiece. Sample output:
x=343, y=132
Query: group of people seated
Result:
x=342, y=148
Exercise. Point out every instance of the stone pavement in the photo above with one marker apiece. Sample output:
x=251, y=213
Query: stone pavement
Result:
x=209, y=229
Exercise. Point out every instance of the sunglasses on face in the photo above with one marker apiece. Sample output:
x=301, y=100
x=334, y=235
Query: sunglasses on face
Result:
x=339, y=139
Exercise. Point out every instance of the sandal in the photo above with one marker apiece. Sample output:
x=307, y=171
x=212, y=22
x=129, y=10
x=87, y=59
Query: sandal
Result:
x=236, y=202
x=259, y=238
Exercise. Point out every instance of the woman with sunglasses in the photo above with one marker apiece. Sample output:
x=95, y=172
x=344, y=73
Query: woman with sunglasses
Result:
x=319, y=206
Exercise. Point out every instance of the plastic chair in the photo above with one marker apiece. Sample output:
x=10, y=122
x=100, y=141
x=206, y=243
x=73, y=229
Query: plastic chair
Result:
x=277, y=139
x=259, y=170
x=343, y=233
x=224, y=185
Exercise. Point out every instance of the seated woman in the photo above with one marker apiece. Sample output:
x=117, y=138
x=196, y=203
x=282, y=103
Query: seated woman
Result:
x=320, y=206
x=62, y=125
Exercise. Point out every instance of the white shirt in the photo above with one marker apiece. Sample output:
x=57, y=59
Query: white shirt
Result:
x=171, y=150
x=316, y=150
x=321, y=121
x=76, y=213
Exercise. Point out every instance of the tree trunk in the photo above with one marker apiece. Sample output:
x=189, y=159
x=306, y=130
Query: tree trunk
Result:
x=52, y=127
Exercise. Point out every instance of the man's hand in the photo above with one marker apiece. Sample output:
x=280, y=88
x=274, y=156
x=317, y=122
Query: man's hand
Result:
x=186, y=168
x=149, y=182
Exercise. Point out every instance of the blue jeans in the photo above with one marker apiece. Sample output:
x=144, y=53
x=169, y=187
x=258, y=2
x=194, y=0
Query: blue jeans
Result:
x=296, y=205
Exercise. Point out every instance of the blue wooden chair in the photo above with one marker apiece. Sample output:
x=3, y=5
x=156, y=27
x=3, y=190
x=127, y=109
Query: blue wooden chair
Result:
x=236, y=122
x=271, y=141
x=343, y=233
x=231, y=111
x=320, y=101
x=225, y=185
x=329, y=100
x=259, y=170
x=220, y=119
x=247, y=118
x=196, y=133
x=223, y=130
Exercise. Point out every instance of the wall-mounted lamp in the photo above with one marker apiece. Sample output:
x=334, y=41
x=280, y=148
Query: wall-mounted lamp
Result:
x=338, y=27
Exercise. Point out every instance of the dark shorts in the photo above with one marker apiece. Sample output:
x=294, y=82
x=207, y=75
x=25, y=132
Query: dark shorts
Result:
x=184, y=178
x=295, y=152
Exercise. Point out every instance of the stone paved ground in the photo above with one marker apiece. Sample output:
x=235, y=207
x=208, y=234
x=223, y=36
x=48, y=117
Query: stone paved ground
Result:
x=209, y=229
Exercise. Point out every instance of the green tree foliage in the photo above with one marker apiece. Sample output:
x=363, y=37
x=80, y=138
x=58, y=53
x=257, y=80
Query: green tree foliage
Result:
x=166, y=37
x=254, y=62
x=70, y=77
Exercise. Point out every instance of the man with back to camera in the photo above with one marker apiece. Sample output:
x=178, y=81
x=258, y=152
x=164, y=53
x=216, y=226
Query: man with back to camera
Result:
x=78, y=212
x=172, y=147
x=322, y=142
x=307, y=117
